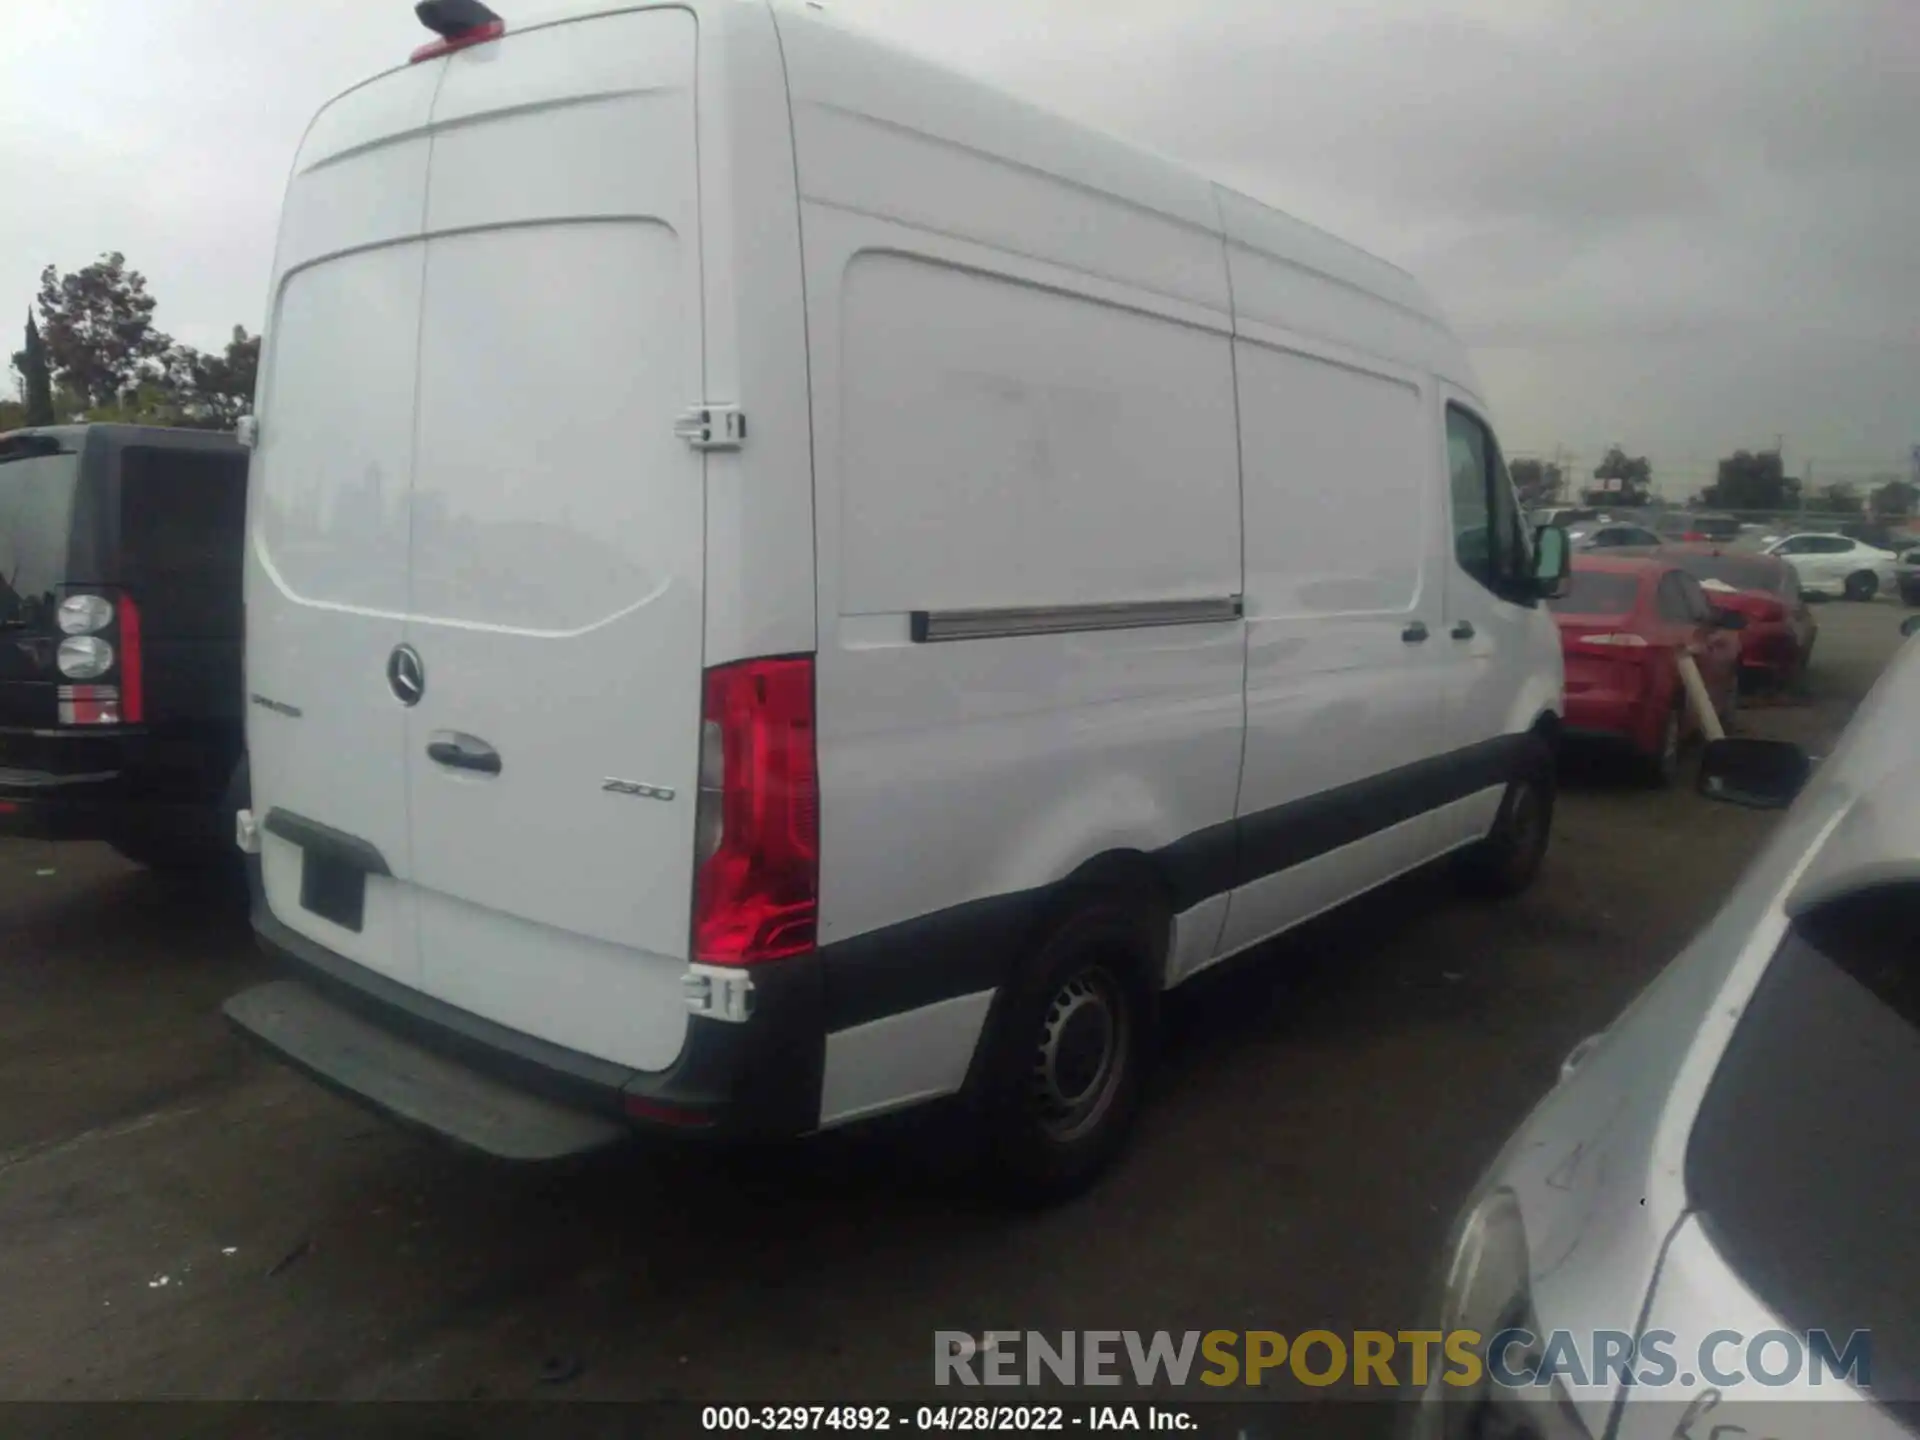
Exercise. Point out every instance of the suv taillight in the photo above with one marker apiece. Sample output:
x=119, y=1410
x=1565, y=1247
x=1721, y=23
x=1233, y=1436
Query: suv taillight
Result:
x=99, y=660
x=757, y=825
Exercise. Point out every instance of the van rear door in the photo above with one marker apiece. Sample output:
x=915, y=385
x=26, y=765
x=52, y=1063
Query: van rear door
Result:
x=326, y=576
x=557, y=540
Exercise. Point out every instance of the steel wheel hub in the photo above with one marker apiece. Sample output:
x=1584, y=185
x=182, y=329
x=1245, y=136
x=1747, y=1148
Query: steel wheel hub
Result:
x=1081, y=1054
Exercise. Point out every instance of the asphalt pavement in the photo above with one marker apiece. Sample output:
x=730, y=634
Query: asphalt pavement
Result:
x=180, y=1217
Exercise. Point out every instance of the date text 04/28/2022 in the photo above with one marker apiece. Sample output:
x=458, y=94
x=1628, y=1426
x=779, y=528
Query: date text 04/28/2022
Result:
x=978, y=1419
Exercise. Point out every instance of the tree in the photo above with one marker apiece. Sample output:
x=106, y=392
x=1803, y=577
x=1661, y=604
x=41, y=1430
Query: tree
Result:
x=99, y=332
x=1537, y=482
x=1894, y=496
x=1634, y=477
x=36, y=385
x=213, y=391
x=1838, y=498
x=1751, y=480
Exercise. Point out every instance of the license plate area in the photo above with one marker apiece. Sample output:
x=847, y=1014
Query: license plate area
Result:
x=333, y=889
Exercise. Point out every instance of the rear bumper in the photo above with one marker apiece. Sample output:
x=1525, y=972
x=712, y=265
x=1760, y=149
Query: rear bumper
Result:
x=1770, y=649
x=90, y=786
x=1608, y=717
x=481, y=1085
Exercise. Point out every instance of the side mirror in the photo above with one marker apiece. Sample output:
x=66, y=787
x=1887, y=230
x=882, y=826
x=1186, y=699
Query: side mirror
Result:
x=1760, y=774
x=1729, y=620
x=1552, y=562
x=1910, y=625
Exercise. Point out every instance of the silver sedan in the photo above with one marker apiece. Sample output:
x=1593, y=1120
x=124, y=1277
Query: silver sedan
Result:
x=1714, y=1211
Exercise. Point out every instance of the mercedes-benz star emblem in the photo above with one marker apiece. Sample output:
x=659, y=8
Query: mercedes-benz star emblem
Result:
x=406, y=675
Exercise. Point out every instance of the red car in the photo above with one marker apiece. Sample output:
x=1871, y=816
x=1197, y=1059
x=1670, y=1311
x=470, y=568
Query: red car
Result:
x=1780, y=632
x=1624, y=622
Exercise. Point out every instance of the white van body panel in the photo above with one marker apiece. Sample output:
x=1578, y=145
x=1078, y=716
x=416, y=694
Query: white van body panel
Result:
x=326, y=576
x=901, y=1060
x=996, y=369
x=1008, y=369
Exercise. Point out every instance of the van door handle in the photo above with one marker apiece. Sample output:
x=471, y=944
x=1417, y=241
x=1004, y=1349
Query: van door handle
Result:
x=1463, y=631
x=1414, y=633
x=463, y=752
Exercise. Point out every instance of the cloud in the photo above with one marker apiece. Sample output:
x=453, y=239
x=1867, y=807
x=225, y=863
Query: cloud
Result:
x=1689, y=226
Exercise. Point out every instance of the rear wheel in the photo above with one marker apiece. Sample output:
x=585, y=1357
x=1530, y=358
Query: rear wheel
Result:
x=1862, y=585
x=1506, y=862
x=1062, y=1083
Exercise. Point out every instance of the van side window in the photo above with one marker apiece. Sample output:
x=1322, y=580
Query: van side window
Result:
x=1489, y=532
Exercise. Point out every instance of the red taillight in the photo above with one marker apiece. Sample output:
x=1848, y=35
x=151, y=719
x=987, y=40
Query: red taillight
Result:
x=133, y=698
x=479, y=35
x=1767, y=612
x=757, y=890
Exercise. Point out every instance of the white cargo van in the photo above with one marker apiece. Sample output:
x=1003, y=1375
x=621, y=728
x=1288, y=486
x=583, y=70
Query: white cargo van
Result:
x=783, y=584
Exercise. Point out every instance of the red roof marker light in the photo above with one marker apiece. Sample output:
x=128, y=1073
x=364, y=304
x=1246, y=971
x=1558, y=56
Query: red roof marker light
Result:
x=458, y=23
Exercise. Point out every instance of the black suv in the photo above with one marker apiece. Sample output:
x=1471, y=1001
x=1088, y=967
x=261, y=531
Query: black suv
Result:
x=120, y=638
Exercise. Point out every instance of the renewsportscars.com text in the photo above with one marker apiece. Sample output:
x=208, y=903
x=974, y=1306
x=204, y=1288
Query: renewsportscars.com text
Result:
x=1384, y=1359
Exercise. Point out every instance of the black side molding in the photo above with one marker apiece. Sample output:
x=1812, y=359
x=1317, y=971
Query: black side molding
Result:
x=336, y=845
x=931, y=626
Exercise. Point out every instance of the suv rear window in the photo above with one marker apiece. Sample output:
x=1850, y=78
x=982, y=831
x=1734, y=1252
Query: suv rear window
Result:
x=1596, y=593
x=182, y=533
x=37, y=485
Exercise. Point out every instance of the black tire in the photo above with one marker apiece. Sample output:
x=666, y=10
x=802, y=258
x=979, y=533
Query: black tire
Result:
x=1862, y=585
x=1072, y=1038
x=1662, y=767
x=1509, y=859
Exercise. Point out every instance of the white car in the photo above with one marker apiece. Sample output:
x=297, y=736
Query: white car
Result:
x=784, y=585
x=1838, y=565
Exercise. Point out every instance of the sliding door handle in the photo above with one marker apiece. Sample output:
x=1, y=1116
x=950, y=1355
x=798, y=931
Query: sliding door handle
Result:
x=1414, y=633
x=1463, y=631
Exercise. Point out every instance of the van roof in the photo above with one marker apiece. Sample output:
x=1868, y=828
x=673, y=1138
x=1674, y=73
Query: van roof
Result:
x=1098, y=159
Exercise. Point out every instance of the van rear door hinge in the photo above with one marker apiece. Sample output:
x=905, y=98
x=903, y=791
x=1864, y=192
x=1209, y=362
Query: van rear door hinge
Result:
x=713, y=427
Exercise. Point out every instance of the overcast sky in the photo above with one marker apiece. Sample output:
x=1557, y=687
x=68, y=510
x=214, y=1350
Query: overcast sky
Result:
x=1682, y=224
